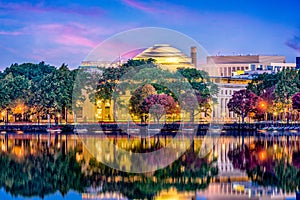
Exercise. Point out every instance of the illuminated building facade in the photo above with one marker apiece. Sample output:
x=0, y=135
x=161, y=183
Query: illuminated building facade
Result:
x=227, y=66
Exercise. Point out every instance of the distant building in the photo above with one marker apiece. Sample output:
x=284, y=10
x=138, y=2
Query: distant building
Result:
x=297, y=62
x=165, y=56
x=227, y=66
x=101, y=63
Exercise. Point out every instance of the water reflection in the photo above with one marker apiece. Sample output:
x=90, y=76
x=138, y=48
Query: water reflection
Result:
x=39, y=165
x=43, y=164
x=270, y=161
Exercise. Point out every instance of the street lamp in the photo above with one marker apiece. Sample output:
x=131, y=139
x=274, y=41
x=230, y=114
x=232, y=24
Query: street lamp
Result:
x=58, y=118
x=263, y=108
x=3, y=116
x=275, y=117
x=262, y=155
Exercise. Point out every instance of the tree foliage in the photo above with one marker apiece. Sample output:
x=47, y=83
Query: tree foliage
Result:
x=41, y=174
x=242, y=102
x=262, y=82
x=41, y=88
x=296, y=101
x=137, y=99
x=287, y=85
x=158, y=105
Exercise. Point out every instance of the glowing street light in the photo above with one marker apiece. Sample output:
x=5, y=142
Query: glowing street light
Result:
x=262, y=155
x=263, y=107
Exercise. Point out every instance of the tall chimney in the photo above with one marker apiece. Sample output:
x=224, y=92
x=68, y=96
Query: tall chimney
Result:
x=194, y=56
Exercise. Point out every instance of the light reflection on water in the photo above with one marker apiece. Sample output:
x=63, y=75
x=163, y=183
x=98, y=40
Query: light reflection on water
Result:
x=21, y=146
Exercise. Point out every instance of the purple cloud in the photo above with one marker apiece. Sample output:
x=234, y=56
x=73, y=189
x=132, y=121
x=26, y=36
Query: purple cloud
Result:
x=10, y=32
x=71, y=34
x=142, y=6
x=294, y=43
x=174, y=13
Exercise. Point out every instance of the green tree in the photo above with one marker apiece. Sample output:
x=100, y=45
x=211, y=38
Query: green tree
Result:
x=200, y=81
x=262, y=82
x=286, y=87
x=204, y=91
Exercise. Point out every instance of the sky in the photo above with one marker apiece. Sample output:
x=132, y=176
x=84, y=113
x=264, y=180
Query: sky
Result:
x=66, y=31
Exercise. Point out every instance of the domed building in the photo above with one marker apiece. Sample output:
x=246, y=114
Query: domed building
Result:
x=168, y=57
x=165, y=55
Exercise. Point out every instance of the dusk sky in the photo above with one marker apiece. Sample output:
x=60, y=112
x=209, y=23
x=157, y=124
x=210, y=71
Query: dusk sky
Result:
x=66, y=31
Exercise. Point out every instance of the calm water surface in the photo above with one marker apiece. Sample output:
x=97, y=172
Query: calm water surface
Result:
x=52, y=166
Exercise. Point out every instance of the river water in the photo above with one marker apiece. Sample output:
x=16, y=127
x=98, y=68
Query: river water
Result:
x=67, y=166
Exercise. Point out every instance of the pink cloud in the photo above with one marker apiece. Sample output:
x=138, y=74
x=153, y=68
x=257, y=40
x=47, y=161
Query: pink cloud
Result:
x=75, y=27
x=173, y=14
x=10, y=32
x=72, y=39
x=68, y=35
x=142, y=6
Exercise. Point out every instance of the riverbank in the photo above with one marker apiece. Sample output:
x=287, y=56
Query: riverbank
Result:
x=120, y=127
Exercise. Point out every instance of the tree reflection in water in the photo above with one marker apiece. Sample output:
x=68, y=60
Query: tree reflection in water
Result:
x=188, y=173
x=41, y=174
x=271, y=166
x=46, y=172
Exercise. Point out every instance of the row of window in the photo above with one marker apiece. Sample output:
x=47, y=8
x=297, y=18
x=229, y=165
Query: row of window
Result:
x=226, y=92
x=227, y=71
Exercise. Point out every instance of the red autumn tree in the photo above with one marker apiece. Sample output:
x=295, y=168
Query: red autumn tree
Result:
x=242, y=102
x=158, y=105
x=296, y=101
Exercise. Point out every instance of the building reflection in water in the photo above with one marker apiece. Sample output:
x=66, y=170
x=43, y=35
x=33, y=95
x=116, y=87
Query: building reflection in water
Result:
x=171, y=185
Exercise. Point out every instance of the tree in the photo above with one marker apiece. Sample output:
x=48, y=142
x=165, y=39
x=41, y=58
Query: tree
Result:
x=242, y=102
x=263, y=81
x=268, y=97
x=195, y=101
x=286, y=87
x=110, y=77
x=158, y=105
x=296, y=102
x=200, y=81
x=137, y=99
x=13, y=91
x=65, y=90
x=204, y=90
